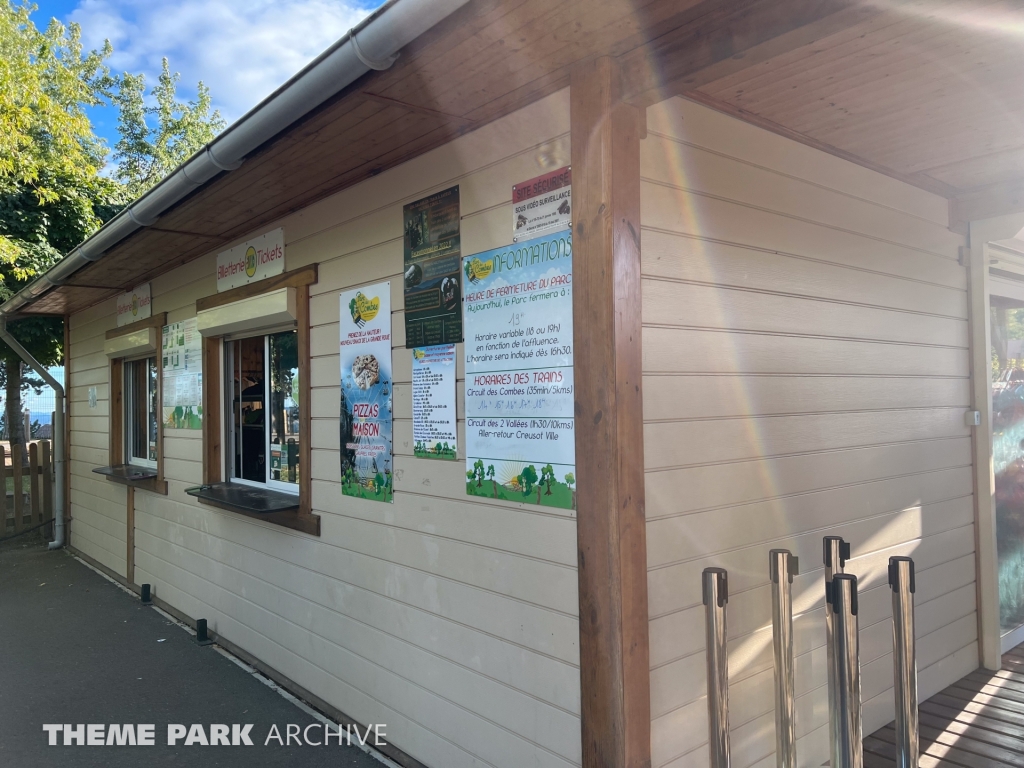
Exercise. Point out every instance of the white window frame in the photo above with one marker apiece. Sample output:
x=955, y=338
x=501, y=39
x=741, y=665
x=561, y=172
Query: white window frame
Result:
x=228, y=350
x=129, y=412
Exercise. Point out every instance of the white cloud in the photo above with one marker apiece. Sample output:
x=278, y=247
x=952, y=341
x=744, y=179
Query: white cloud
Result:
x=241, y=49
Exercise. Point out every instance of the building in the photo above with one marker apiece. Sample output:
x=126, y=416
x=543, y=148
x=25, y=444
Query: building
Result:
x=794, y=265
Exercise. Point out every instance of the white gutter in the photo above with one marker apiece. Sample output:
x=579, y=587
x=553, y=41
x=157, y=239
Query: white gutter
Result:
x=372, y=44
x=58, y=431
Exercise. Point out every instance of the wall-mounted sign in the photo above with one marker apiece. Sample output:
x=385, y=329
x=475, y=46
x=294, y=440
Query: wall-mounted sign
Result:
x=253, y=260
x=434, y=423
x=433, y=289
x=542, y=204
x=182, y=353
x=136, y=304
x=365, y=346
x=520, y=426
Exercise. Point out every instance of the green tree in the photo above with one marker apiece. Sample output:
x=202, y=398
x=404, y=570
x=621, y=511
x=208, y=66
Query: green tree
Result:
x=494, y=483
x=547, y=475
x=527, y=479
x=157, y=139
x=478, y=472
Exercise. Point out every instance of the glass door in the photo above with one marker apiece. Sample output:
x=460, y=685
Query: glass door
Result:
x=1008, y=455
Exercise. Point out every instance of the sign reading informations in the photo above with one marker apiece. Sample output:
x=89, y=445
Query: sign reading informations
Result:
x=433, y=289
x=542, y=204
x=253, y=260
x=366, y=385
x=182, y=375
x=136, y=304
x=520, y=436
x=434, y=422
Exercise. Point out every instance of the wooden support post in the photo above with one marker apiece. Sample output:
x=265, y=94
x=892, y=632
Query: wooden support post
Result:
x=614, y=655
x=35, y=514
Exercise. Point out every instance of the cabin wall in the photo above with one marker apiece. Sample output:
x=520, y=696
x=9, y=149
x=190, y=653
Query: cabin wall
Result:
x=449, y=618
x=806, y=373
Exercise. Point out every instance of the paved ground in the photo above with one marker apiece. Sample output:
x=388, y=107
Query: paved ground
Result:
x=75, y=648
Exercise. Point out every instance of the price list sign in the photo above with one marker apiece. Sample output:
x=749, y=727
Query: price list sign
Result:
x=520, y=426
x=433, y=402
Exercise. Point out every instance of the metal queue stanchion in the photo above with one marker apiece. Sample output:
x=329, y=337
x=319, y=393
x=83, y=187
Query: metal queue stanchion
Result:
x=783, y=566
x=849, y=752
x=716, y=595
x=901, y=580
x=836, y=553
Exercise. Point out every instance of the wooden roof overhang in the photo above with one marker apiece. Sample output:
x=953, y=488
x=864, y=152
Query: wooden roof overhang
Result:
x=927, y=91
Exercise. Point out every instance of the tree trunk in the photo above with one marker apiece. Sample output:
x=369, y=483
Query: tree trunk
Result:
x=12, y=408
x=495, y=484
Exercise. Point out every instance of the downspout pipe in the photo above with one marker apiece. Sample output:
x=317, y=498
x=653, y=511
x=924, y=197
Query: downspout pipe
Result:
x=58, y=430
x=373, y=44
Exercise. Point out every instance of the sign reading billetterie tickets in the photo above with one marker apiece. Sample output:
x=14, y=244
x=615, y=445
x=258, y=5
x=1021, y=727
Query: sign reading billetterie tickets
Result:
x=542, y=204
x=433, y=289
x=520, y=426
x=434, y=421
x=366, y=391
x=182, y=352
x=136, y=304
x=253, y=260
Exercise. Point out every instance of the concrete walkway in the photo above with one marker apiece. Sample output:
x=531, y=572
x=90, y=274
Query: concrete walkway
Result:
x=75, y=648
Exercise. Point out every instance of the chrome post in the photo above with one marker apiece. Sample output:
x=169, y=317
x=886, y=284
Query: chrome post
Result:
x=836, y=553
x=782, y=567
x=850, y=752
x=904, y=658
x=716, y=595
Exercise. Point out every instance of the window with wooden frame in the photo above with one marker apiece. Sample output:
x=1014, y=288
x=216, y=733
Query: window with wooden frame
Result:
x=136, y=431
x=256, y=422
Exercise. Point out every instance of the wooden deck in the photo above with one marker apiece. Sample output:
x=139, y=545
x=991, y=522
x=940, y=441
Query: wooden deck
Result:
x=978, y=722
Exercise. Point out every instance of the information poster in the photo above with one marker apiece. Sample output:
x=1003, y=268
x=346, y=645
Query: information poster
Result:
x=434, y=422
x=542, y=204
x=365, y=346
x=182, y=375
x=433, y=286
x=520, y=430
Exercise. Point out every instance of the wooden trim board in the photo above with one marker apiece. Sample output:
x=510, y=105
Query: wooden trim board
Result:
x=297, y=278
x=158, y=320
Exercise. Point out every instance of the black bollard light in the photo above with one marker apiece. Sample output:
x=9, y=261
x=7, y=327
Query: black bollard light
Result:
x=202, y=638
x=146, y=598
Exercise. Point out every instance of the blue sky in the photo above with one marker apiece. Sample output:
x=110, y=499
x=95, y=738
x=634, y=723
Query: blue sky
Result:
x=241, y=49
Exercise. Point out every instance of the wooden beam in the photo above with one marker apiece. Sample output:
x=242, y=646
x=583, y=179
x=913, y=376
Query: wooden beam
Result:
x=988, y=202
x=294, y=279
x=159, y=320
x=731, y=36
x=611, y=535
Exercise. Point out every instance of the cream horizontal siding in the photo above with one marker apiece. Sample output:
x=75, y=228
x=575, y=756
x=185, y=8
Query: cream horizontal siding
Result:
x=805, y=357
x=452, y=619
x=98, y=507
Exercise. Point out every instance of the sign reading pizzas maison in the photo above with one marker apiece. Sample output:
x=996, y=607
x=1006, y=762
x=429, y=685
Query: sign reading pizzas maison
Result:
x=136, y=304
x=365, y=350
x=253, y=260
x=520, y=425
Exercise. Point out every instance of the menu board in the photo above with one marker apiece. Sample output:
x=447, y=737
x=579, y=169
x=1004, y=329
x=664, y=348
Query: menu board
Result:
x=434, y=422
x=520, y=426
x=433, y=288
x=366, y=384
x=182, y=353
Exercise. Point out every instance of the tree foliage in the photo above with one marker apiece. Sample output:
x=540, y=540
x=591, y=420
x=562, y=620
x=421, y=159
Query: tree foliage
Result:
x=52, y=193
x=157, y=139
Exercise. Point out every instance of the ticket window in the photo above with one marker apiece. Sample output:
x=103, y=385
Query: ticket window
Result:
x=141, y=412
x=263, y=410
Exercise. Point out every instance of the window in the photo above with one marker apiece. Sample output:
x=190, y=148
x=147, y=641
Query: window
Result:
x=141, y=412
x=263, y=405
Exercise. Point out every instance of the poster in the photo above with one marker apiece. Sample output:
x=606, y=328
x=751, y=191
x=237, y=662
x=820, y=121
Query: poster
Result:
x=433, y=285
x=434, y=422
x=542, y=204
x=182, y=352
x=365, y=346
x=136, y=304
x=520, y=427
x=253, y=260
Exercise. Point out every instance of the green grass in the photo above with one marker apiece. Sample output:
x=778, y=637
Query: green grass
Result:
x=561, y=494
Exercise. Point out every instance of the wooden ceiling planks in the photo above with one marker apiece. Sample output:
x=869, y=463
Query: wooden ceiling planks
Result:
x=895, y=87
